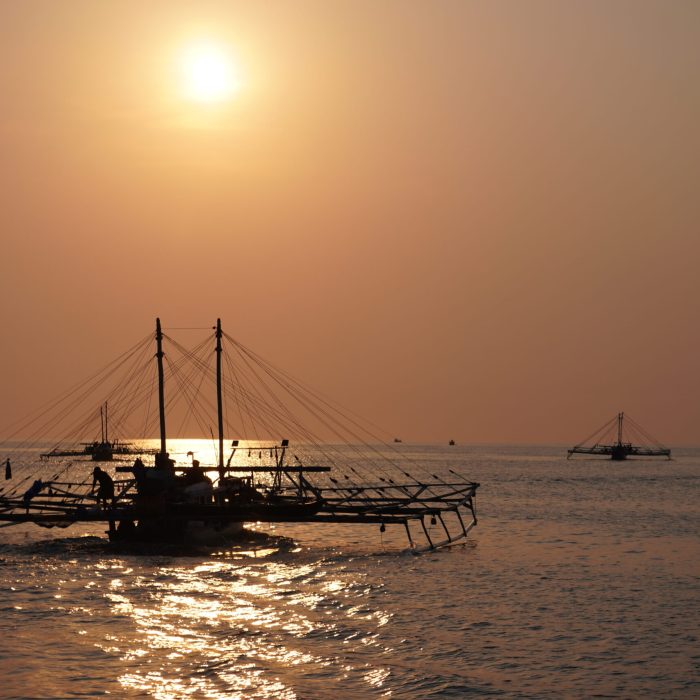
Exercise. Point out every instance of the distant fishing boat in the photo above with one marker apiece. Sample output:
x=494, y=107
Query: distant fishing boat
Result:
x=617, y=438
x=102, y=450
x=166, y=500
x=397, y=440
x=451, y=442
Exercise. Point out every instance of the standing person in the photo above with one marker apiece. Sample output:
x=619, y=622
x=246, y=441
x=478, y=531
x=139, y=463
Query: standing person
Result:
x=105, y=490
x=8, y=470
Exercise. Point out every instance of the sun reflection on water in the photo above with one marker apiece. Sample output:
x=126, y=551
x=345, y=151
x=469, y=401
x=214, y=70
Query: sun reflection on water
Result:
x=221, y=629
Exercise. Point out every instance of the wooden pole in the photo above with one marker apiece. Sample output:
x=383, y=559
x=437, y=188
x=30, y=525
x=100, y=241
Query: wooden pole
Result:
x=219, y=401
x=161, y=383
x=619, y=428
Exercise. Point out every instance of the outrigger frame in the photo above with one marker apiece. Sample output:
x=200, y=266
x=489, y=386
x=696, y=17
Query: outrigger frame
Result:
x=61, y=504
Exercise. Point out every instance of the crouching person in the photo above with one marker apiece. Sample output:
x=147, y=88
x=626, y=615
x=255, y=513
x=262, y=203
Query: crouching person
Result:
x=105, y=486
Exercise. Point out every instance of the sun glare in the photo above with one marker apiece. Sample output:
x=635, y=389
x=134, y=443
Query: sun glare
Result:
x=209, y=73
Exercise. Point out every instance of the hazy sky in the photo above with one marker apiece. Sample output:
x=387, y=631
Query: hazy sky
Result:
x=468, y=220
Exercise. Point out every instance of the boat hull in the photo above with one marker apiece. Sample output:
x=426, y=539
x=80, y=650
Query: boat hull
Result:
x=170, y=530
x=188, y=522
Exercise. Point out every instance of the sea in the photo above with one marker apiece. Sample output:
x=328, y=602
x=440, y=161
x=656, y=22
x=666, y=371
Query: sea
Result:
x=580, y=580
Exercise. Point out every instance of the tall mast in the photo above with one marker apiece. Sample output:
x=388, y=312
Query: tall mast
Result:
x=106, y=437
x=219, y=403
x=619, y=428
x=161, y=388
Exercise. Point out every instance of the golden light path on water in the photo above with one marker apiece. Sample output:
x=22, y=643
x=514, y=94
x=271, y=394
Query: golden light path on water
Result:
x=226, y=630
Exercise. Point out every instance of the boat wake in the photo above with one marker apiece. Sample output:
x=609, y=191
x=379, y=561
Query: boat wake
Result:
x=246, y=544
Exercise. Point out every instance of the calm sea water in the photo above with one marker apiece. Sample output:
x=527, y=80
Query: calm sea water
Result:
x=581, y=580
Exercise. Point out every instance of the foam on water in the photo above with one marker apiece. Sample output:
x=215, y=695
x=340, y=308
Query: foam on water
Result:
x=581, y=580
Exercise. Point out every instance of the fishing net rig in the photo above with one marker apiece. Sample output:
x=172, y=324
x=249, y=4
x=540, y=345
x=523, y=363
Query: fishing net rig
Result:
x=332, y=466
x=619, y=438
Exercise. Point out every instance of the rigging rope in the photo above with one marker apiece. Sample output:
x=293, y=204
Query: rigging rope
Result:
x=267, y=401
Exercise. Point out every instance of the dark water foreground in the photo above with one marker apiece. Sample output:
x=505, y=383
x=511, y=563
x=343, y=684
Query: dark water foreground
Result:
x=581, y=580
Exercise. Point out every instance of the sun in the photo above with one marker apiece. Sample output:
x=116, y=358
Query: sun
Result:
x=209, y=73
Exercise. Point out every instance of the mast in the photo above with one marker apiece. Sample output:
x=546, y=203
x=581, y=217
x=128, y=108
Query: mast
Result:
x=619, y=428
x=106, y=437
x=219, y=402
x=161, y=388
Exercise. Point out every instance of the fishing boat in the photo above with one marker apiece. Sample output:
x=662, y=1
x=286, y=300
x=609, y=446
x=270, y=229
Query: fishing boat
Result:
x=620, y=438
x=354, y=478
x=102, y=450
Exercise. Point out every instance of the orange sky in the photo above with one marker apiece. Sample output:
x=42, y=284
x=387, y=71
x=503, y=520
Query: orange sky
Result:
x=464, y=220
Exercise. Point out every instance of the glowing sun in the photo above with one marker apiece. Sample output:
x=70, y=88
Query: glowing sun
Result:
x=209, y=73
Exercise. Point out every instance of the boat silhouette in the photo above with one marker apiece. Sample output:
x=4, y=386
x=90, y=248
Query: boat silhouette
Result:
x=612, y=440
x=158, y=498
x=102, y=450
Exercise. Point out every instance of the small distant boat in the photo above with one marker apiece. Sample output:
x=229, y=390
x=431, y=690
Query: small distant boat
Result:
x=616, y=440
x=451, y=442
x=397, y=439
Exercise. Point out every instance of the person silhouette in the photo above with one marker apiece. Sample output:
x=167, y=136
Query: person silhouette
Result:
x=105, y=490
